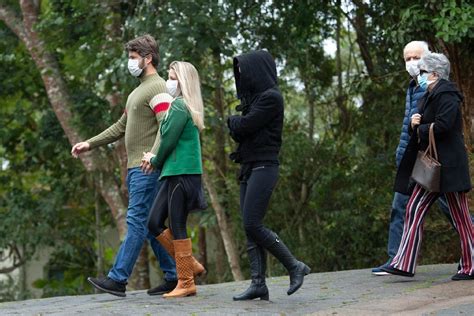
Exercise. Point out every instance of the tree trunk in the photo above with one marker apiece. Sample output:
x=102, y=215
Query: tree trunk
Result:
x=232, y=255
x=220, y=163
x=202, y=256
x=220, y=265
x=360, y=24
x=466, y=83
x=99, y=239
x=310, y=97
x=113, y=35
x=311, y=105
x=463, y=74
x=340, y=102
x=220, y=157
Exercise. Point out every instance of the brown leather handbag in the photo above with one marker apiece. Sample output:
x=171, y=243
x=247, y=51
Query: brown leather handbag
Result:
x=427, y=169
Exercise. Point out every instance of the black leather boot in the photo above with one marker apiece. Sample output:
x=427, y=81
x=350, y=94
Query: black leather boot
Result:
x=258, y=266
x=165, y=287
x=296, y=269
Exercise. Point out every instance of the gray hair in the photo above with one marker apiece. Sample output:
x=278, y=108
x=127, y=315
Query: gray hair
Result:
x=417, y=44
x=438, y=63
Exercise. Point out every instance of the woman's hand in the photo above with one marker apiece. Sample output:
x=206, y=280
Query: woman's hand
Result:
x=147, y=156
x=415, y=120
x=146, y=165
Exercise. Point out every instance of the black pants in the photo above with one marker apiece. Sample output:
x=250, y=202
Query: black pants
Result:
x=257, y=183
x=170, y=202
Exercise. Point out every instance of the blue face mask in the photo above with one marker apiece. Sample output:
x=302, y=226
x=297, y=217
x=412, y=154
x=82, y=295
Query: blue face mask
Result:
x=423, y=81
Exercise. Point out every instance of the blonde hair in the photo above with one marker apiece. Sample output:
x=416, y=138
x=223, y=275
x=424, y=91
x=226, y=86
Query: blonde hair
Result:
x=190, y=87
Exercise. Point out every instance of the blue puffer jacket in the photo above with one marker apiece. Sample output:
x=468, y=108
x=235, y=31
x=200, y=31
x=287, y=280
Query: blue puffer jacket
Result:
x=414, y=93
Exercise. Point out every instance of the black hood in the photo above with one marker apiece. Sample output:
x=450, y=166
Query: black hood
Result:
x=257, y=73
x=445, y=86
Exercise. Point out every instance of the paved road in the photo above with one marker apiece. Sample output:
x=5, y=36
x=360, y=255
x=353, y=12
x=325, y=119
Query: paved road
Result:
x=354, y=292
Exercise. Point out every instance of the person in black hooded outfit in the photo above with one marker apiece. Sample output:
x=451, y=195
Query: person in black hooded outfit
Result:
x=258, y=132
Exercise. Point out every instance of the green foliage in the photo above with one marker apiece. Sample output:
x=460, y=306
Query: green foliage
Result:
x=455, y=21
x=450, y=21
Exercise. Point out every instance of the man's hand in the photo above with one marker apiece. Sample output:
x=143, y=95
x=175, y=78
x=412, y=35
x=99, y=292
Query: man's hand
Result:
x=415, y=120
x=146, y=165
x=79, y=148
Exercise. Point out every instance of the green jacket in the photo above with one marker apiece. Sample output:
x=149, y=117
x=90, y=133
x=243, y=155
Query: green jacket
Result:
x=180, y=148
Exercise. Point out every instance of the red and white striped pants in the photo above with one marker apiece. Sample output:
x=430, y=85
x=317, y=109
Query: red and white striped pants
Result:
x=419, y=203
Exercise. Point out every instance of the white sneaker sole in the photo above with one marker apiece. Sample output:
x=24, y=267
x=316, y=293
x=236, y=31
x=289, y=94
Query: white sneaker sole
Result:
x=381, y=273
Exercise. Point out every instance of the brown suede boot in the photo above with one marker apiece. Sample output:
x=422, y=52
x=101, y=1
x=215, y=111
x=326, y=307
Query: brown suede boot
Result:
x=166, y=240
x=184, y=267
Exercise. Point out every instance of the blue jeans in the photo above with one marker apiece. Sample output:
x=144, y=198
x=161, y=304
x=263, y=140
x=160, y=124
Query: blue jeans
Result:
x=142, y=189
x=397, y=218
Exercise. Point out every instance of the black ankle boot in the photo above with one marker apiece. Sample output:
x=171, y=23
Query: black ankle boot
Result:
x=297, y=277
x=258, y=288
x=296, y=269
x=255, y=290
x=165, y=287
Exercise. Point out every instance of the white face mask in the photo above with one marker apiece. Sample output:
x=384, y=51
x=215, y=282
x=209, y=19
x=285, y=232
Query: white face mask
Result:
x=133, y=67
x=412, y=67
x=172, y=86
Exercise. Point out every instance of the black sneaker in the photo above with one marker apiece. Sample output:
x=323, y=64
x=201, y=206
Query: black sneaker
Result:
x=106, y=284
x=462, y=277
x=163, y=288
x=392, y=270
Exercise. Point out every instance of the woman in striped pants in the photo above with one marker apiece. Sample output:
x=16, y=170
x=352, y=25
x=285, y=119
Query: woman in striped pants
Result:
x=440, y=106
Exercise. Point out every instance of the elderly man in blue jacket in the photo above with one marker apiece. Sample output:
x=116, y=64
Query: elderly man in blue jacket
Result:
x=412, y=54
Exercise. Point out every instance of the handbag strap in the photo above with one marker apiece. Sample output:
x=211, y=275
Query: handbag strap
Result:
x=432, y=143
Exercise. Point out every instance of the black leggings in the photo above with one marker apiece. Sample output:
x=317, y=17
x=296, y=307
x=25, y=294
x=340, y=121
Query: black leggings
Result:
x=257, y=183
x=170, y=202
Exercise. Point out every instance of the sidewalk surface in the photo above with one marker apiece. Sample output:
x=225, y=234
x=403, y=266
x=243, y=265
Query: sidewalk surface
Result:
x=355, y=292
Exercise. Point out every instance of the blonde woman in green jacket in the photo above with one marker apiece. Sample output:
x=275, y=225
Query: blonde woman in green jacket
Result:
x=179, y=158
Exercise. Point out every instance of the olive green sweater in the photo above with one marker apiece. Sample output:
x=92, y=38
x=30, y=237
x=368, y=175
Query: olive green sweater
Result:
x=180, y=148
x=140, y=121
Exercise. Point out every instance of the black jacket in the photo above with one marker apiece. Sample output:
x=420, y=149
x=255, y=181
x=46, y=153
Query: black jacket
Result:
x=258, y=130
x=441, y=106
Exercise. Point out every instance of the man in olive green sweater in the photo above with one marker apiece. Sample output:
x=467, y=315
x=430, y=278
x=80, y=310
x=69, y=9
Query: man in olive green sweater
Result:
x=140, y=126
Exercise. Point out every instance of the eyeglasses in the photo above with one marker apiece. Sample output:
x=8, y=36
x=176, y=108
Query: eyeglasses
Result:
x=422, y=71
